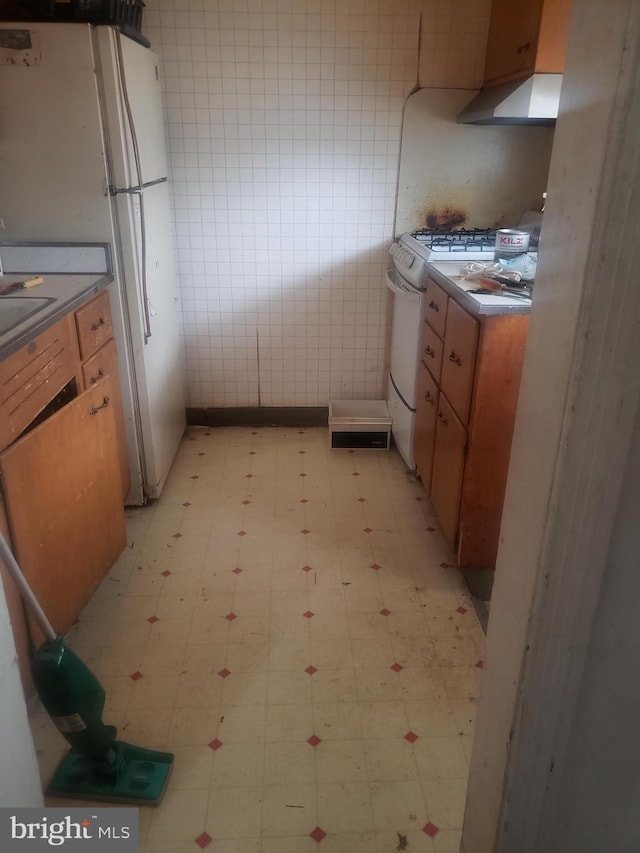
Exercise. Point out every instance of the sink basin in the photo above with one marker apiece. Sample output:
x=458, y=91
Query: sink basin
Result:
x=16, y=309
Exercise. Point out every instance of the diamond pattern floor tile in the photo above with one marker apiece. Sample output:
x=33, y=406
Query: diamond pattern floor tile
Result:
x=261, y=646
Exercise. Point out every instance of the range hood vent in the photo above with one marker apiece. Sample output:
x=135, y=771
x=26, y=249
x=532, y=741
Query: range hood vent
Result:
x=534, y=100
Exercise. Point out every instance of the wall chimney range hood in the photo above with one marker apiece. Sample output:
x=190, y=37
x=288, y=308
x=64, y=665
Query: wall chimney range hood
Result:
x=531, y=101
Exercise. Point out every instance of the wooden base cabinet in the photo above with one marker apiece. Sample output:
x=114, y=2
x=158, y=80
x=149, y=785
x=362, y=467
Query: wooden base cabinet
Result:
x=464, y=424
x=63, y=466
x=449, y=452
x=426, y=420
x=63, y=498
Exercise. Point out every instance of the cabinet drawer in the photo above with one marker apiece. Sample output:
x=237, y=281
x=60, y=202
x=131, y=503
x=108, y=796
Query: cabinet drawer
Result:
x=448, y=469
x=102, y=363
x=93, y=324
x=431, y=352
x=105, y=363
x=435, y=307
x=458, y=363
x=31, y=377
x=426, y=420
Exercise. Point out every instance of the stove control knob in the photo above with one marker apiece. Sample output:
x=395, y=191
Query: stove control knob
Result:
x=393, y=251
x=407, y=259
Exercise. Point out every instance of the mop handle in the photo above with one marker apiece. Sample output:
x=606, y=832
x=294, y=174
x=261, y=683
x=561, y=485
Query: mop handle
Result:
x=25, y=590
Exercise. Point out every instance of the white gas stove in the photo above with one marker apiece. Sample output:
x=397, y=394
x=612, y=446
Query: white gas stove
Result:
x=465, y=244
x=415, y=257
x=413, y=251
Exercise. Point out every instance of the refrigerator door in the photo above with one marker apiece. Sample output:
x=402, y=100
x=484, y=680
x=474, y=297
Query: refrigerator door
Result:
x=157, y=357
x=144, y=246
x=54, y=175
x=131, y=81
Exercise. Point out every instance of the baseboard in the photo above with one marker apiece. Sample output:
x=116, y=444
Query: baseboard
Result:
x=262, y=416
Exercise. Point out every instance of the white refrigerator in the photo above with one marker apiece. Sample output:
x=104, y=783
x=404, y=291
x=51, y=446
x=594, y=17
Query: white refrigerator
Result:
x=83, y=159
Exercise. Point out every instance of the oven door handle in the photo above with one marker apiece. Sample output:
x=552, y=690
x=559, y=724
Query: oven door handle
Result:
x=399, y=287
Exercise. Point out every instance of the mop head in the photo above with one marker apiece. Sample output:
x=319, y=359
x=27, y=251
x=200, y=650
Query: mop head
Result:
x=137, y=776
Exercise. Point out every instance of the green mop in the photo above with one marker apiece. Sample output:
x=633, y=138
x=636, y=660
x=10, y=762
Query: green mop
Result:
x=98, y=767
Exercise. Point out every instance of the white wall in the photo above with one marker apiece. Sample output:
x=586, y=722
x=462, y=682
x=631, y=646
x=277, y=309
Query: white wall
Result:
x=284, y=122
x=578, y=404
x=490, y=175
x=19, y=778
x=453, y=42
x=600, y=783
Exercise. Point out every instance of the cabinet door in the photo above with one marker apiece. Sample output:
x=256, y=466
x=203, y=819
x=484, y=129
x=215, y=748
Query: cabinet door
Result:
x=425, y=434
x=435, y=307
x=105, y=363
x=64, y=503
x=513, y=40
x=459, y=359
x=448, y=469
x=16, y=615
x=431, y=351
x=553, y=36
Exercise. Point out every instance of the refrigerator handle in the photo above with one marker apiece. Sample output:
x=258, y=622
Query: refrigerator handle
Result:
x=136, y=190
x=143, y=271
x=127, y=107
x=114, y=191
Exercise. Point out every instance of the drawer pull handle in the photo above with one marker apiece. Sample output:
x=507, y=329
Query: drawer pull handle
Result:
x=429, y=398
x=442, y=419
x=455, y=359
x=434, y=306
x=95, y=409
x=429, y=352
x=94, y=379
x=96, y=326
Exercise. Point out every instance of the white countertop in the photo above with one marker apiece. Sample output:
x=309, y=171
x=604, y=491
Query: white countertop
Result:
x=64, y=291
x=449, y=273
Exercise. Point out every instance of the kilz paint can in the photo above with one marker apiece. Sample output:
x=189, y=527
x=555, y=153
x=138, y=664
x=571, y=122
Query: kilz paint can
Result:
x=510, y=243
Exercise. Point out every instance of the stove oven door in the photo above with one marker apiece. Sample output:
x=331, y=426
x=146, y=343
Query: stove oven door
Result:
x=405, y=336
x=403, y=366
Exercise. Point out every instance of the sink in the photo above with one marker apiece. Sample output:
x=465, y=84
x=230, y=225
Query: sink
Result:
x=16, y=309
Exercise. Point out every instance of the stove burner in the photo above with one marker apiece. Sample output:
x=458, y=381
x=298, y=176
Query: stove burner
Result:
x=462, y=240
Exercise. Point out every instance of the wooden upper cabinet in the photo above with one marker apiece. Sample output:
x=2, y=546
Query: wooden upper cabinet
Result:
x=526, y=37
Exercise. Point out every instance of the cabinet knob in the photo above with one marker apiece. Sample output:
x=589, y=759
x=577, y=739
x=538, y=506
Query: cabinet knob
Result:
x=429, y=398
x=434, y=306
x=442, y=419
x=96, y=326
x=455, y=358
x=523, y=48
x=429, y=352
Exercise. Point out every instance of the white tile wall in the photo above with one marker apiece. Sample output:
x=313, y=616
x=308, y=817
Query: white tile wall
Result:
x=453, y=43
x=284, y=124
